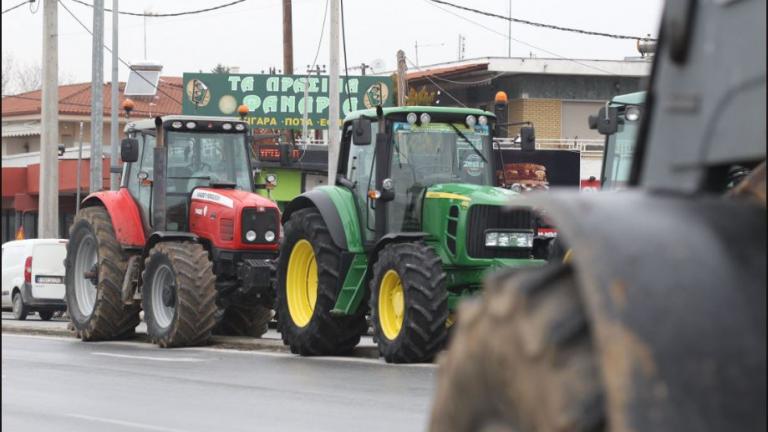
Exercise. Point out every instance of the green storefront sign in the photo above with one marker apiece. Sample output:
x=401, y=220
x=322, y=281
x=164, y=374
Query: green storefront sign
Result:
x=278, y=101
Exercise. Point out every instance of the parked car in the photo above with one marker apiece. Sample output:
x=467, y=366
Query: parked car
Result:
x=33, y=277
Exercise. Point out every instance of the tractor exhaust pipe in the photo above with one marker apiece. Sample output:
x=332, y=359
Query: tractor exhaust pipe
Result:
x=159, y=182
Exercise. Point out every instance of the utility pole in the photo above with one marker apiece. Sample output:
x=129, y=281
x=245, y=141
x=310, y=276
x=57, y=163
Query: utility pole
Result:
x=333, y=95
x=48, y=221
x=402, y=81
x=509, y=31
x=97, y=97
x=288, y=54
x=114, y=183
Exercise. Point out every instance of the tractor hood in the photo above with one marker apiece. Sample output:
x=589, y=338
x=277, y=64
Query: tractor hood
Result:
x=231, y=198
x=469, y=194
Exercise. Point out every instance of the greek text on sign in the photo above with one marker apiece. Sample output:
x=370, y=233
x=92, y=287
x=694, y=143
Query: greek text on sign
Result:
x=279, y=101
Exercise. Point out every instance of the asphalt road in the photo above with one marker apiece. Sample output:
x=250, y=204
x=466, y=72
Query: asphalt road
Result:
x=62, y=384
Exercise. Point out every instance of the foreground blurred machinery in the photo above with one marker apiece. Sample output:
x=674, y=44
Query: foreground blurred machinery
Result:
x=657, y=321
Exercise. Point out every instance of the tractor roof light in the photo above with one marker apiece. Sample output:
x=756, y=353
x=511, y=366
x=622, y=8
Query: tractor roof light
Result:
x=240, y=127
x=471, y=121
x=191, y=125
x=411, y=118
x=425, y=118
x=632, y=113
x=482, y=120
x=177, y=124
x=226, y=126
x=243, y=111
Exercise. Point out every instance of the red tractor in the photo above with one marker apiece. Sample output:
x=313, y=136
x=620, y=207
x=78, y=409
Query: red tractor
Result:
x=185, y=238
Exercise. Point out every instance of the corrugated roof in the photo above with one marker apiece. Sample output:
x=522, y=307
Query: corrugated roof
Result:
x=21, y=129
x=75, y=99
x=448, y=71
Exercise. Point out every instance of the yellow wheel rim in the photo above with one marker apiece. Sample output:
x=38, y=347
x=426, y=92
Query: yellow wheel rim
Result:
x=301, y=283
x=391, y=304
x=568, y=256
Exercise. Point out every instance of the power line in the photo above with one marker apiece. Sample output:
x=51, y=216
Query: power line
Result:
x=164, y=15
x=521, y=41
x=344, y=46
x=18, y=6
x=537, y=24
x=485, y=80
x=120, y=59
x=320, y=40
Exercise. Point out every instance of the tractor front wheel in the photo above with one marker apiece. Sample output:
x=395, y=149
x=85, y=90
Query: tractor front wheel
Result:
x=179, y=294
x=243, y=320
x=409, y=303
x=95, y=268
x=307, y=287
x=522, y=359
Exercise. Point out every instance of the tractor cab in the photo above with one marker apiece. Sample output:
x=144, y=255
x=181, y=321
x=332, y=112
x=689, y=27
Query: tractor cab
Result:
x=201, y=152
x=421, y=154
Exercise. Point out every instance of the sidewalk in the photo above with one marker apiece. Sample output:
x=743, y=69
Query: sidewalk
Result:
x=271, y=341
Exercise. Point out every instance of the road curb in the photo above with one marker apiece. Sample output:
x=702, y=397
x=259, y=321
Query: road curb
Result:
x=225, y=342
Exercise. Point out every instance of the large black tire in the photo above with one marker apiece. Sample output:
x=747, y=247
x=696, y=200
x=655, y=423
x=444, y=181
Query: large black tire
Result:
x=324, y=334
x=191, y=302
x=522, y=359
x=109, y=318
x=422, y=332
x=243, y=320
x=20, y=310
x=45, y=315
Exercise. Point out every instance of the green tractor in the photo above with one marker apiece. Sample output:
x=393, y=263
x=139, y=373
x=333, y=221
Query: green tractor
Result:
x=411, y=226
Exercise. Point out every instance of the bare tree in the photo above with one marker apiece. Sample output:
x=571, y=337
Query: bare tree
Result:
x=7, y=74
x=29, y=77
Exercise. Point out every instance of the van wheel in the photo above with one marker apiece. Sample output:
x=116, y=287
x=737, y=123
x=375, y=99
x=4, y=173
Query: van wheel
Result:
x=20, y=310
x=45, y=315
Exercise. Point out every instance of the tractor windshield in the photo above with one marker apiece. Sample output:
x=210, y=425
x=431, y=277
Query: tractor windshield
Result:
x=619, y=149
x=197, y=159
x=441, y=153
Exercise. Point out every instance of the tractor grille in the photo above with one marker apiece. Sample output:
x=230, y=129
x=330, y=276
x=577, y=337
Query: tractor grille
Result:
x=261, y=220
x=484, y=217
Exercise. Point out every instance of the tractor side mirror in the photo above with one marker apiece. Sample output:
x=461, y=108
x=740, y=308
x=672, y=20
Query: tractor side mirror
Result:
x=361, y=131
x=606, y=124
x=527, y=138
x=129, y=150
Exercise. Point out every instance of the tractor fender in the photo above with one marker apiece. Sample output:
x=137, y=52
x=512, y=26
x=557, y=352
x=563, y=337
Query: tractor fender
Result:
x=674, y=287
x=337, y=207
x=124, y=213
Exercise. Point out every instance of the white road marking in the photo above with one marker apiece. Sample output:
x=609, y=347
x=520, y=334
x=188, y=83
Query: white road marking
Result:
x=372, y=361
x=138, y=357
x=144, y=345
x=125, y=423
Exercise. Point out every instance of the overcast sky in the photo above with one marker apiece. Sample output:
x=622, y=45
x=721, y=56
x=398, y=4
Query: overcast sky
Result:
x=249, y=34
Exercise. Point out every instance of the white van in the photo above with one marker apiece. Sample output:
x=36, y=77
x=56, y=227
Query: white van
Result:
x=33, y=277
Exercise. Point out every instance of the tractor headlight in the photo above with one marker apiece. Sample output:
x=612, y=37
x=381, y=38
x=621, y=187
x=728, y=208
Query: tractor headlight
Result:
x=191, y=125
x=176, y=125
x=471, y=121
x=226, y=126
x=269, y=236
x=483, y=120
x=239, y=127
x=250, y=235
x=411, y=118
x=425, y=118
x=509, y=239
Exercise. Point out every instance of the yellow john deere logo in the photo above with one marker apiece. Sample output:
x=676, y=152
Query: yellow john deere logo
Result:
x=375, y=95
x=198, y=93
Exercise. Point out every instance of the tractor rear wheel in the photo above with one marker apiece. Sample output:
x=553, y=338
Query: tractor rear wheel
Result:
x=409, y=303
x=95, y=269
x=522, y=359
x=179, y=294
x=243, y=320
x=307, y=287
